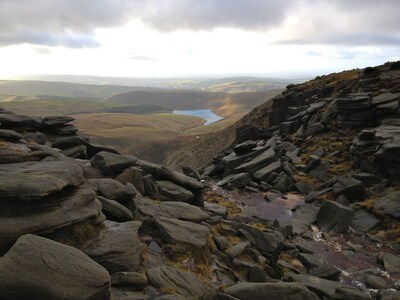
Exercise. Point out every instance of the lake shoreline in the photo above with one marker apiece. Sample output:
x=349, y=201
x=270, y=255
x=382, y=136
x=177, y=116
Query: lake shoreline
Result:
x=205, y=114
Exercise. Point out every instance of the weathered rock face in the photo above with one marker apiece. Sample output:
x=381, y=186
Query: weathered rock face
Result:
x=38, y=268
x=112, y=164
x=117, y=248
x=351, y=188
x=173, y=230
x=335, y=217
x=33, y=180
x=390, y=204
x=235, y=181
x=47, y=214
x=147, y=210
x=172, y=192
x=183, y=283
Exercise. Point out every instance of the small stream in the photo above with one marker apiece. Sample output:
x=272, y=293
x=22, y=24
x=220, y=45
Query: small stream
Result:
x=348, y=252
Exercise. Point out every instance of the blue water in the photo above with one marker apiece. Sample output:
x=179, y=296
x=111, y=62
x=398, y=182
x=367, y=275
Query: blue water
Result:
x=205, y=114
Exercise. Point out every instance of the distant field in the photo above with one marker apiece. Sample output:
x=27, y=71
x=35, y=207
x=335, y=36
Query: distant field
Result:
x=131, y=132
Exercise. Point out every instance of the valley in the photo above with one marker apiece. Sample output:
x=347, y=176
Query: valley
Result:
x=142, y=120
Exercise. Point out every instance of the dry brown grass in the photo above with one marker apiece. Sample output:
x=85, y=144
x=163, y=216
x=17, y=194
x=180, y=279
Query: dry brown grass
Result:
x=366, y=204
x=77, y=234
x=202, y=258
x=231, y=207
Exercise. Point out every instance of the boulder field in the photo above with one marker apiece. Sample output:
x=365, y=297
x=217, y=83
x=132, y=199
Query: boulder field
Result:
x=305, y=205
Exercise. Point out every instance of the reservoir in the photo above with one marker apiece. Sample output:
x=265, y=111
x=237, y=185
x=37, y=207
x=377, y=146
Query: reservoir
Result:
x=205, y=114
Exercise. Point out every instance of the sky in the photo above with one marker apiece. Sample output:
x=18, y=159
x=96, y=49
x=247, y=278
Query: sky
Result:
x=189, y=38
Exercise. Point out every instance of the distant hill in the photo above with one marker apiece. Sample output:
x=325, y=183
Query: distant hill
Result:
x=228, y=84
x=234, y=84
x=223, y=104
x=63, y=89
x=176, y=99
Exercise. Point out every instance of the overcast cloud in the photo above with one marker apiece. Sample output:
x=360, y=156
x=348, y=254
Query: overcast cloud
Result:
x=72, y=23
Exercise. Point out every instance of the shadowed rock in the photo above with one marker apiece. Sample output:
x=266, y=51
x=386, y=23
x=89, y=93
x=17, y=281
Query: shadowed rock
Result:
x=169, y=175
x=38, y=268
x=10, y=135
x=115, y=211
x=47, y=214
x=235, y=181
x=184, y=283
x=334, y=217
x=117, y=248
x=173, y=192
x=390, y=204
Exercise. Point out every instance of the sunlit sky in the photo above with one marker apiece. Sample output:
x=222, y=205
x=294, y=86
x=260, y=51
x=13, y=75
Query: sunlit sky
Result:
x=165, y=38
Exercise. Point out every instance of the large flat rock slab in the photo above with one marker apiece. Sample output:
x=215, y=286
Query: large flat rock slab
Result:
x=174, y=230
x=390, y=204
x=111, y=163
x=148, y=209
x=334, y=217
x=117, y=248
x=184, y=283
x=169, y=175
x=257, y=162
x=38, y=268
x=47, y=214
x=170, y=191
x=34, y=180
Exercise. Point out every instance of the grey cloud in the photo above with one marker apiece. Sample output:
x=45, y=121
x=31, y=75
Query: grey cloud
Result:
x=210, y=14
x=343, y=22
x=71, y=23
x=68, y=23
x=49, y=39
x=340, y=38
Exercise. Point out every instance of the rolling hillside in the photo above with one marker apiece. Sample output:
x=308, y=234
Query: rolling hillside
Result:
x=63, y=89
x=222, y=104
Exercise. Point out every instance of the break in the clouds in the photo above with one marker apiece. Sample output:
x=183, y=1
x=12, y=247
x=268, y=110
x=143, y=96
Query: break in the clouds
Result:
x=73, y=23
